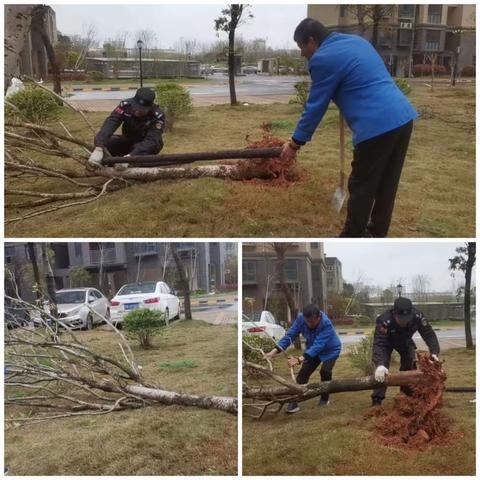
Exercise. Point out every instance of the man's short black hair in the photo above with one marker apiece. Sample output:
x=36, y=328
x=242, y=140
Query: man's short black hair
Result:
x=311, y=311
x=307, y=28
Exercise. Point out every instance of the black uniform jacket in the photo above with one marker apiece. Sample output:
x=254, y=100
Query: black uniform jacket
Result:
x=145, y=132
x=389, y=335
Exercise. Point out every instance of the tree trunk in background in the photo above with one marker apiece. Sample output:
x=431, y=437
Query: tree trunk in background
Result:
x=38, y=23
x=471, y=250
x=280, y=250
x=183, y=281
x=231, y=67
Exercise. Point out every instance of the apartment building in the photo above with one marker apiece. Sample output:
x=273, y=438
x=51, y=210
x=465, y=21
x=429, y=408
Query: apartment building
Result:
x=334, y=275
x=408, y=34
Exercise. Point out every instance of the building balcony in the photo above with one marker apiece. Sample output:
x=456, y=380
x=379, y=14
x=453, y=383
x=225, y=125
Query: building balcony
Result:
x=144, y=249
x=108, y=257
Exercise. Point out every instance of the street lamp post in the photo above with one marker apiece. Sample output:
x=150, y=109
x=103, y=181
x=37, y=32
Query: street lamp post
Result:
x=457, y=32
x=399, y=290
x=140, y=46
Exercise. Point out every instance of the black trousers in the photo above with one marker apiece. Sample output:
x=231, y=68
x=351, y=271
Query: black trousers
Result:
x=120, y=145
x=407, y=362
x=308, y=367
x=372, y=186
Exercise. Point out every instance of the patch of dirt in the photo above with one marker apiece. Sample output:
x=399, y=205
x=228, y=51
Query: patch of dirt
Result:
x=416, y=421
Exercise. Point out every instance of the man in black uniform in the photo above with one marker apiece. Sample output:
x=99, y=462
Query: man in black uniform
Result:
x=394, y=331
x=142, y=127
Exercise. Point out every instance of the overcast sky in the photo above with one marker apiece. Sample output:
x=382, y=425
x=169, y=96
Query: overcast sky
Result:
x=382, y=263
x=276, y=23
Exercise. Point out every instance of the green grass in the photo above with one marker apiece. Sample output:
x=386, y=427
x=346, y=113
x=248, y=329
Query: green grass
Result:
x=159, y=440
x=436, y=195
x=178, y=365
x=340, y=439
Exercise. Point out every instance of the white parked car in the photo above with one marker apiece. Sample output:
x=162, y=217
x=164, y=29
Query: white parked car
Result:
x=80, y=307
x=152, y=295
x=265, y=325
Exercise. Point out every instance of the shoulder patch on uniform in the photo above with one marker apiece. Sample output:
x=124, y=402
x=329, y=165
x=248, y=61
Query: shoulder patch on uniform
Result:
x=119, y=109
x=423, y=321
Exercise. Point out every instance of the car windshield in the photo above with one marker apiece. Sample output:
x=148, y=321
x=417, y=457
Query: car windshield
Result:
x=133, y=288
x=70, y=297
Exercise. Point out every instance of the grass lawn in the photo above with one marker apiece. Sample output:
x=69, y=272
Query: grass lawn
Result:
x=192, y=356
x=340, y=440
x=436, y=196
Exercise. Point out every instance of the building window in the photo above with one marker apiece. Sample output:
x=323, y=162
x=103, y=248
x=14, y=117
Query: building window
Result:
x=435, y=14
x=146, y=248
x=291, y=270
x=342, y=11
x=315, y=244
x=405, y=37
x=433, y=40
x=406, y=11
x=249, y=271
x=316, y=275
x=78, y=250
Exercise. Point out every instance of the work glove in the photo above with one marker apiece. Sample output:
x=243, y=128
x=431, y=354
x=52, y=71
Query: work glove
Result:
x=434, y=357
x=96, y=157
x=380, y=373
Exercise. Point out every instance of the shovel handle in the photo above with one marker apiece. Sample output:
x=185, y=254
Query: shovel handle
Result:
x=342, y=149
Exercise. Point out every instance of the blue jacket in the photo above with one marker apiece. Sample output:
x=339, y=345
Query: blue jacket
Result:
x=322, y=342
x=349, y=71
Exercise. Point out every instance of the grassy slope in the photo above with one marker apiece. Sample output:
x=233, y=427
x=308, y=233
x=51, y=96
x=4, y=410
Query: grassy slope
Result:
x=339, y=439
x=150, y=441
x=436, y=195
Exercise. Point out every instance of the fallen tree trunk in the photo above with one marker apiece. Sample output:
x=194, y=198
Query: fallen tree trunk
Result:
x=179, y=158
x=399, y=379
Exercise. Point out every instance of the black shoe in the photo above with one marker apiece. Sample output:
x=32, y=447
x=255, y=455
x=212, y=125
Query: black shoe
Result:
x=292, y=408
x=323, y=403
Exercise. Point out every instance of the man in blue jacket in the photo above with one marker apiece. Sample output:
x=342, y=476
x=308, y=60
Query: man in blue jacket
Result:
x=322, y=347
x=347, y=70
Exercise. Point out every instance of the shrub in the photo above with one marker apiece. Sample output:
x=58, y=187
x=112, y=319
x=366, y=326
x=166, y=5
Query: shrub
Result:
x=468, y=71
x=174, y=100
x=96, y=76
x=302, y=89
x=256, y=341
x=424, y=69
x=143, y=324
x=360, y=355
x=403, y=85
x=36, y=105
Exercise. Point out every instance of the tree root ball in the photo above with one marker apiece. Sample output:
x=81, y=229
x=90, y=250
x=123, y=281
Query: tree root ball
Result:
x=416, y=421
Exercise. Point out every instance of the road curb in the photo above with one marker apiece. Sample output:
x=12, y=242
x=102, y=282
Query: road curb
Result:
x=366, y=332
x=203, y=303
x=98, y=89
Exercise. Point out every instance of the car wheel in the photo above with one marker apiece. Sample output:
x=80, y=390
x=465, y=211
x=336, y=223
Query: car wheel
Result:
x=89, y=324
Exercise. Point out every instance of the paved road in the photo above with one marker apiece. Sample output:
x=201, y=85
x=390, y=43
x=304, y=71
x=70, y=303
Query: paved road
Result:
x=448, y=339
x=217, y=314
x=250, y=89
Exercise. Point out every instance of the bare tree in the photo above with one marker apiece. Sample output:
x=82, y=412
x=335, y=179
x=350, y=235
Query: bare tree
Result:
x=187, y=47
x=464, y=261
x=420, y=287
x=183, y=281
x=281, y=248
x=84, y=43
x=148, y=37
x=370, y=15
x=228, y=22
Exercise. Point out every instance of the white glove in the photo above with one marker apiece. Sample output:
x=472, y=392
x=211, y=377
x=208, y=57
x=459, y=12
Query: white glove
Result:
x=380, y=373
x=435, y=357
x=96, y=157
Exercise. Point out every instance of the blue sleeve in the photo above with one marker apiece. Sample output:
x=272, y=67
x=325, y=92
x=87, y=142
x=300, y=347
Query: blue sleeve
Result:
x=291, y=335
x=321, y=339
x=325, y=80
